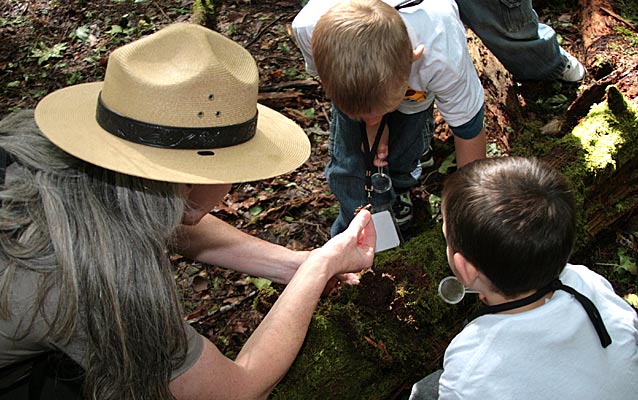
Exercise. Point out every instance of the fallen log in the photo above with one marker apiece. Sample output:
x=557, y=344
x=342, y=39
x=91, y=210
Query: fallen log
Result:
x=361, y=343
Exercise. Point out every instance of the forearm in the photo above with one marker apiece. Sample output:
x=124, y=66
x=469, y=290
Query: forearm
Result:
x=468, y=150
x=274, y=345
x=272, y=348
x=213, y=241
x=267, y=354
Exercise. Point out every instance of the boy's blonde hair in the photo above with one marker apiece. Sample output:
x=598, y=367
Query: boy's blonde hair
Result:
x=363, y=55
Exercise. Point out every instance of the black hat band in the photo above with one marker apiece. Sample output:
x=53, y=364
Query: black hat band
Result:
x=173, y=137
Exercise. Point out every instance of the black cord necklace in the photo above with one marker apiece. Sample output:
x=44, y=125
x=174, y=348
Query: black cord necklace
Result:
x=556, y=284
x=370, y=152
x=407, y=3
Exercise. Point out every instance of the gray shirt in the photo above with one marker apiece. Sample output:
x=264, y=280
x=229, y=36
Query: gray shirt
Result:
x=20, y=338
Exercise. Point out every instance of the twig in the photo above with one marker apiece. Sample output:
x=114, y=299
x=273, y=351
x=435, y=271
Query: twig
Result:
x=161, y=10
x=289, y=84
x=619, y=18
x=324, y=236
x=323, y=110
x=261, y=31
x=223, y=309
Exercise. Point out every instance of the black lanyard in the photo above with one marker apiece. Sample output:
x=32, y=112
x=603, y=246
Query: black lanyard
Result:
x=369, y=153
x=407, y=3
x=556, y=284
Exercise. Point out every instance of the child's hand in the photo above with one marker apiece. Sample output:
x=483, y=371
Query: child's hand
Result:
x=381, y=156
x=382, y=150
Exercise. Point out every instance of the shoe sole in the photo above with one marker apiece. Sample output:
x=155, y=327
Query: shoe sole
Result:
x=428, y=163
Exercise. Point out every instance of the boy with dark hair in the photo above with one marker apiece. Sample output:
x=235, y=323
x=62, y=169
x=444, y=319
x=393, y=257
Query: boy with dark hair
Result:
x=551, y=330
x=384, y=68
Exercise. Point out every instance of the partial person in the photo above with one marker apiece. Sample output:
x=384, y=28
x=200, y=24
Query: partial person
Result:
x=384, y=70
x=103, y=182
x=549, y=329
x=528, y=49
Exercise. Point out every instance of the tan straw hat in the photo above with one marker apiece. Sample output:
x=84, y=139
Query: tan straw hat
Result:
x=179, y=105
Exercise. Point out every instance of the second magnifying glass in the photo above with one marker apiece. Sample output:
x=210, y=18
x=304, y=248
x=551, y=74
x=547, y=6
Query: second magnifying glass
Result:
x=452, y=291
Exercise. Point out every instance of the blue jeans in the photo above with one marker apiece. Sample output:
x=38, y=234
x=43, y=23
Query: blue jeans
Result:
x=409, y=136
x=510, y=29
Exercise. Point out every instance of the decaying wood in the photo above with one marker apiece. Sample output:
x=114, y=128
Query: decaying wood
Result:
x=599, y=35
x=620, y=186
x=610, y=192
x=204, y=12
x=298, y=84
x=595, y=93
x=280, y=99
x=596, y=28
x=619, y=18
x=498, y=85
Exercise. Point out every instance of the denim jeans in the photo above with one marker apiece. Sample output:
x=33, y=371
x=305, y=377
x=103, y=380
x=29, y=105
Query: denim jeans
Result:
x=510, y=29
x=409, y=135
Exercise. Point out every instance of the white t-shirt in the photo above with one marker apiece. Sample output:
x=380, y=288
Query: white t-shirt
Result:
x=444, y=74
x=550, y=352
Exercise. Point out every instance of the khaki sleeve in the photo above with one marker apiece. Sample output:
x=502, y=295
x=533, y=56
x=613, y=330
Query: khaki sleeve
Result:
x=194, y=351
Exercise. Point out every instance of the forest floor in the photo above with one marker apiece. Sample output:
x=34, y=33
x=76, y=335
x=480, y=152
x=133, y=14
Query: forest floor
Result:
x=46, y=45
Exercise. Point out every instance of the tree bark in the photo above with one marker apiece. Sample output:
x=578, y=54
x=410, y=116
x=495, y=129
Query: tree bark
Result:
x=607, y=66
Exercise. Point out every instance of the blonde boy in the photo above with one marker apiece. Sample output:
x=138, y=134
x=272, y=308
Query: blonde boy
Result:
x=384, y=70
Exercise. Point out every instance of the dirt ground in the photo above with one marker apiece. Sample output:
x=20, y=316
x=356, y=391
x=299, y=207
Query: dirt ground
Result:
x=46, y=45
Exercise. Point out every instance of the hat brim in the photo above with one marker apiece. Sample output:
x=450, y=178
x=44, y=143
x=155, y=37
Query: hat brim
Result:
x=67, y=118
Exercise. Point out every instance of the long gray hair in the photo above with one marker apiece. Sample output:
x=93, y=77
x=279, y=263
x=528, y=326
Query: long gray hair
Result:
x=99, y=239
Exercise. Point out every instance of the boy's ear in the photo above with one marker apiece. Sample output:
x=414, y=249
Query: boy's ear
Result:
x=467, y=272
x=418, y=52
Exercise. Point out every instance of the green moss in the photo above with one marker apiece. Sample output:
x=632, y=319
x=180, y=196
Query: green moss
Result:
x=374, y=340
x=530, y=143
x=602, y=134
x=590, y=156
x=204, y=12
x=628, y=9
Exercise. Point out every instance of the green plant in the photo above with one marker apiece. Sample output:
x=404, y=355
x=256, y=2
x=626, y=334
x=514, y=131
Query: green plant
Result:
x=625, y=263
x=80, y=33
x=449, y=162
x=44, y=53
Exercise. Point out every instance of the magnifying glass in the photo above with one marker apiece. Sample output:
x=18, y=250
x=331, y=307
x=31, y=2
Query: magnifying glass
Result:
x=381, y=182
x=452, y=291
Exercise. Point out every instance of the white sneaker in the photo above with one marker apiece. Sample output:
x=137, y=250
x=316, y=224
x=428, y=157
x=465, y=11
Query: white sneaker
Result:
x=427, y=160
x=574, y=70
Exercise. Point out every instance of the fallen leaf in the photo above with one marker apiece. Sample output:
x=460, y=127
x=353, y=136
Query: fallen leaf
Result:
x=370, y=341
x=200, y=283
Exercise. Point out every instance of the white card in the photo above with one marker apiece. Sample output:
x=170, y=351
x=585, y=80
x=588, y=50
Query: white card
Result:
x=387, y=236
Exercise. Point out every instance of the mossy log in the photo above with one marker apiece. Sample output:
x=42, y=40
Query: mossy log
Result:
x=374, y=340
x=600, y=157
x=204, y=12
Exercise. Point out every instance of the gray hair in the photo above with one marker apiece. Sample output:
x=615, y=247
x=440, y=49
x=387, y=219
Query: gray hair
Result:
x=99, y=240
